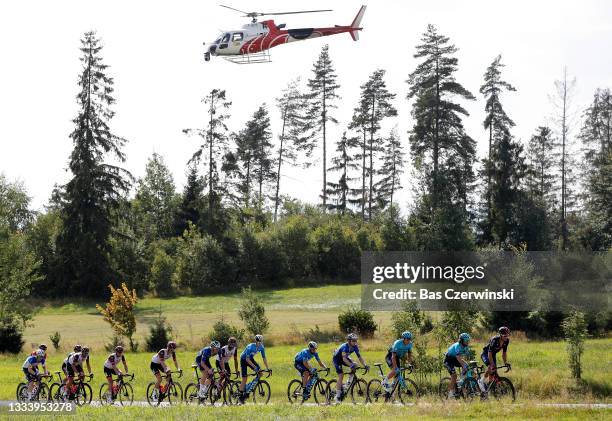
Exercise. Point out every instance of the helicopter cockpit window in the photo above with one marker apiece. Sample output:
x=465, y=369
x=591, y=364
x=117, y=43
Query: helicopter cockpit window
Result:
x=237, y=36
x=218, y=40
x=226, y=37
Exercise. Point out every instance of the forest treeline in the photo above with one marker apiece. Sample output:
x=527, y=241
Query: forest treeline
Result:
x=230, y=226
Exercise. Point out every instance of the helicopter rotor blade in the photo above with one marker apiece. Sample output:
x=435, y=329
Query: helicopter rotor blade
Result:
x=294, y=13
x=231, y=8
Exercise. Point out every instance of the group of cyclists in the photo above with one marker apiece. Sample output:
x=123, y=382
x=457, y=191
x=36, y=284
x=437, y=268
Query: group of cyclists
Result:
x=456, y=357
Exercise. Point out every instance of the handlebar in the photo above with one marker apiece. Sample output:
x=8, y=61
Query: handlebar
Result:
x=169, y=373
x=124, y=375
x=267, y=370
x=88, y=377
x=45, y=377
x=323, y=370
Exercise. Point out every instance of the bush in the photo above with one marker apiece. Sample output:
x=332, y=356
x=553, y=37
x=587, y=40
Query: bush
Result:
x=114, y=342
x=357, y=321
x=455, y=322
x=161, y=274
x=575, y=331
x=222, y=331
x=11, y=338
x=321, y=336
x=338, y=254
x=159, y=334
x=410, y=318
x=55, y=340
x=294, y=239
x=253, y=313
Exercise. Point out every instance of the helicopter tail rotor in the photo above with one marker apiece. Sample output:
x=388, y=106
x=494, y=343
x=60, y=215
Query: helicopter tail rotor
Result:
x=356, y=22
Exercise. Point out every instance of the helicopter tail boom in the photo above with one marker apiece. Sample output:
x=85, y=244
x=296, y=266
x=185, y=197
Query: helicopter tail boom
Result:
x=355, y=28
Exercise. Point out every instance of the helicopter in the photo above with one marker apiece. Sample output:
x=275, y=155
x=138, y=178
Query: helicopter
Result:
x=252, y=43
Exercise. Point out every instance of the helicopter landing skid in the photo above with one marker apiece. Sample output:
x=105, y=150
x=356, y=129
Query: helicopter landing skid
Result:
x=250, y=58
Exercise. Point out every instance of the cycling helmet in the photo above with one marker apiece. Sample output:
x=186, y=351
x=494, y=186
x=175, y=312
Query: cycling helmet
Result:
x=119, y=349
x=503, y=330
x=171, y=345
x=464, y=337
x=312, y=345
x=406, y=335
x=43, y=347
x=231, y=341
x=351, y=337
x=258, y=338
x=215, y=344
x=77, y=348
x=85, y=350
x=40, y=353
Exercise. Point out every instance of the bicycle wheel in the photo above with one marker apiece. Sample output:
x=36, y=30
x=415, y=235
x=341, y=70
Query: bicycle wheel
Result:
x=105, y=394
x=443, y=389
x=214, y=394
x=261, y=393
x=376, y=393
x=175, y=393
x=409, y=393
x=150, y=399
x=22, y=392
x=470, y=389
x=294, y=391
x=319, y=391
x=83, y=395
x=503, y=390
x=126, y=394
x=359, y=392
x=234, y=393
x=330, y=392
x=191, y=393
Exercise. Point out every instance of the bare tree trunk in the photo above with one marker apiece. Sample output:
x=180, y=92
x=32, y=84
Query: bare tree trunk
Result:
x=280, y=161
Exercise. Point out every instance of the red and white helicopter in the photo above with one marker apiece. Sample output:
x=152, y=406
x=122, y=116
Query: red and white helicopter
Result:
x=251, y=44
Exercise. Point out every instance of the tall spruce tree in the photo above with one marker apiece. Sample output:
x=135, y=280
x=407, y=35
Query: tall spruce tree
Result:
x=191, y=205
x=442, y=152
x=214, y=147
x=359, y=124
x=96, y=188
x=540, y=173
x=322, y=97
x=376, y=104
x=498, y=125
x=340, y=192
x=391, y=168
x=263, y=163
x=291, y=105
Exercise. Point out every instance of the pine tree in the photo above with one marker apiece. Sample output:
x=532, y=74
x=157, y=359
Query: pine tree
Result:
x=263, y=164
x=391, y=169
x=190, y=208
x=96, y=188
x=214, y=147
x=339, y=193
x=443, y=153
x=376, y=104
x=359, y=124
x=496, y=122
x=322, y=97
x=291, y=105
x=540, y=173
x=156, y=200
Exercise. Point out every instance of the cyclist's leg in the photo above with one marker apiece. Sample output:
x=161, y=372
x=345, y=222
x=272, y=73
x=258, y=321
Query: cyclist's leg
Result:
x=243, y=373
x=451, y=363
x=156, y=370
x=109, y=378
x=338, y=363
x=389, y=360
x=304, y=373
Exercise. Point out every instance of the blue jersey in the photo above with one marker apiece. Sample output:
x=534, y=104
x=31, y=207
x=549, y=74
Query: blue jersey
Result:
x=31, y=361
x=252, y=349
x=306, y=355
x=346, y=349
x=400, y=349
x=457, y=349
x=205, y=353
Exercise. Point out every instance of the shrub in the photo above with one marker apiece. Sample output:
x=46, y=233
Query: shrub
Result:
x=55, y=340
x=321, y=336
x=294, y=239
x=253, y=313
x=575, y=331
x=222, y=331
x=159, y=334
x=455, y=322
x=11, y=338
x=115, y=340
x=119, y=312
x=410, y=318
x=338, y=254
x=357, y=321
x=161, y=274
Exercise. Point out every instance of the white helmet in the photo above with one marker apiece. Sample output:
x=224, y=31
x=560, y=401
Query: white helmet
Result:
x=40, y=353
x=351, y=337
x=258, y=338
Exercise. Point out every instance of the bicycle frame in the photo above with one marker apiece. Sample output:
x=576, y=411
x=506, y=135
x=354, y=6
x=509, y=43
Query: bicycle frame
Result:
x=253, y=383
x=355, y=379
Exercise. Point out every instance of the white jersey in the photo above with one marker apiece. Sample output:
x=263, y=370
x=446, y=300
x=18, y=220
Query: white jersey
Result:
x=77, y=358
x=162, y=355
x=67, y=358
x=112, y=361
x=225, y=353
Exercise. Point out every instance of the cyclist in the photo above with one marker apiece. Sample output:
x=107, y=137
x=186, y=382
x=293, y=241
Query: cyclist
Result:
x=223, y=357
x=30, y=369
x=75, y=365
x=302, y=365
x=247, y=360
x=400, y=348
x=158, y=365
x=341, y=357
x=489, y=353
x=77, y=348
x=203, y=362
x=455, y=357
x=110, y=368
x=41, y=347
